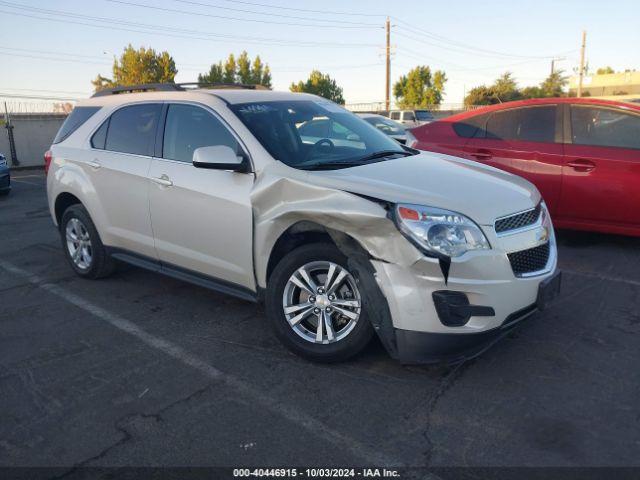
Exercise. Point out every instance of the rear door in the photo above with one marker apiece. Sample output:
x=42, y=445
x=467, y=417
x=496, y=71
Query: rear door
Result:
x=526, y=141
x=202, y=219
x=601, y=174
x=119, y=163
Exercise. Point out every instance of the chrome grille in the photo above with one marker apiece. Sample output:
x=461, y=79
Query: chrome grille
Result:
x=519, y=220
x=530, y=260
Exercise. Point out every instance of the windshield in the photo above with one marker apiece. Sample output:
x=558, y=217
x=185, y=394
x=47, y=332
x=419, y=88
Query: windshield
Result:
x=308, y=133
x=386, y=125
x=424, y=115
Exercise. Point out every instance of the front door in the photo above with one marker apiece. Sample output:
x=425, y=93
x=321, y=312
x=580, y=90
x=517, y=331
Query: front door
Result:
x=202, y=219
x=601, y=173
x=526, y=142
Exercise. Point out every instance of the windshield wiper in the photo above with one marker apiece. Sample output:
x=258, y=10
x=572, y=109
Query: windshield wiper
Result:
x=382, y=154
x=355, y=162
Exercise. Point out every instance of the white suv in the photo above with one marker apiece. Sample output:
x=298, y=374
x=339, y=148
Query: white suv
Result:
x=437, y=255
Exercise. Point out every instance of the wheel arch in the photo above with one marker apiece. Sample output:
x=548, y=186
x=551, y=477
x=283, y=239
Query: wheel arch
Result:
x=63, y=201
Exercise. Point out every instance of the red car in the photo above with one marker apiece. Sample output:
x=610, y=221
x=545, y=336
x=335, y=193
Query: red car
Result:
x=583, y=154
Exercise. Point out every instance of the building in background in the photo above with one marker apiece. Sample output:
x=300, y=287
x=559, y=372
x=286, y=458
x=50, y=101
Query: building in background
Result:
x=621, y=86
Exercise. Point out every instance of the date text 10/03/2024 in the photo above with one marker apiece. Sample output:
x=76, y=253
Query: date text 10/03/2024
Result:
x=316, y=473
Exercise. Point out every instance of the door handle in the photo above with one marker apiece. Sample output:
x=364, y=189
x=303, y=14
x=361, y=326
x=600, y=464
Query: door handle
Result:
x=94, y=164
x=162, y=180
x=482, y=154
x=582, y=165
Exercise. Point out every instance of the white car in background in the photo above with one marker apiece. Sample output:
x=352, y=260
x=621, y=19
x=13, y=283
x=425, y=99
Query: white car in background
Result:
x=387, y=126
x=436, y=255
x=412, y=118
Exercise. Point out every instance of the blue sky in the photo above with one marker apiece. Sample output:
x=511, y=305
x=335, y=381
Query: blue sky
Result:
x=61, y=50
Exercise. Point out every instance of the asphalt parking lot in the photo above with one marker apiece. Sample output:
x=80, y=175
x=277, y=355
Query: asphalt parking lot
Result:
x=140, y=369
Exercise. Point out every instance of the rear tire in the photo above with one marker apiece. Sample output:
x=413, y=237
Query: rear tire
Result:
x=82, y=245
x=321, y=319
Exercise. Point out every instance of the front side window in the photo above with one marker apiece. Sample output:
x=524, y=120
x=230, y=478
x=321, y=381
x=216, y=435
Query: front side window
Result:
x=280, y=126
x=189, y=127
x=531, y=124
x=133, y=129
x=604, y=127
x=76, y=118
x=472, y=126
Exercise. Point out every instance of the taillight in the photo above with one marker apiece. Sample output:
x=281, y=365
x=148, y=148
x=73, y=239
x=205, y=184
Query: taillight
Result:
x=47, y=161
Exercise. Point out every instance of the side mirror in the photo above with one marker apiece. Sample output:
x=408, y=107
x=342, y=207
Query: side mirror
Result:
x=219, y=157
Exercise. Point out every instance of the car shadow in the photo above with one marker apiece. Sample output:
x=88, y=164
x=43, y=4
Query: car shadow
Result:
x=580, y=239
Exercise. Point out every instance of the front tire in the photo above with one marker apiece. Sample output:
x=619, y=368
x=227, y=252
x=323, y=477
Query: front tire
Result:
x=315, y=305
x=82, y=245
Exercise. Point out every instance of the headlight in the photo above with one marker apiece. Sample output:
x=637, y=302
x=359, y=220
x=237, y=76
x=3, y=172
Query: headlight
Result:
x=438, y=231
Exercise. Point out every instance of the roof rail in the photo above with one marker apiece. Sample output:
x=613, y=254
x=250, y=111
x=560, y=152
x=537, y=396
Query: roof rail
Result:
x=173, y=87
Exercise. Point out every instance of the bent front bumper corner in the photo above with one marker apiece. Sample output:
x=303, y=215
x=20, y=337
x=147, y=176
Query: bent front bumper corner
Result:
x=414, y=347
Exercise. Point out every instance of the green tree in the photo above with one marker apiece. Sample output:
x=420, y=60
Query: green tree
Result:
x=214, y=75
x=505, y=88
x=419, y=88
x=230, y=68
x=604, y=70
x=266, y=77
x=244, y=68
x=553, y=85
x=320, y=84
x=240, y=70
x=139, y=66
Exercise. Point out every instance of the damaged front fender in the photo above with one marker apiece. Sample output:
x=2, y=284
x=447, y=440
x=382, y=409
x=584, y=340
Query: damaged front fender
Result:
x=281, y=201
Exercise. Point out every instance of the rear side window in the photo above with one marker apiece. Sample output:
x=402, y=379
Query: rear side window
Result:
x=532, y=124
x=187, y=128
x=99, y=138
x=604, y=127
x=133, y=129
x=76, y=118
x=395, y=115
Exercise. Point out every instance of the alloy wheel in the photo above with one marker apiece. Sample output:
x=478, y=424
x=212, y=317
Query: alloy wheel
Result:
x=321, y=302
x=79, y=243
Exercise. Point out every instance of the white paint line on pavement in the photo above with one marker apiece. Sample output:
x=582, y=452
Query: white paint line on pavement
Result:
x=24, y=181
x=258, y=397
x=27, y=176
x=608, y=278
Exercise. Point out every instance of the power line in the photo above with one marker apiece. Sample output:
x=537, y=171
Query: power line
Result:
x=279, y=15
x=326, y=12
x=458, y=47
x=155, y=29
x=199, y=14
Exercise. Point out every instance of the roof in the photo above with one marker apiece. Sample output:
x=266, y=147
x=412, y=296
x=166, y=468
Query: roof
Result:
x=231, y=96
x=542, y=101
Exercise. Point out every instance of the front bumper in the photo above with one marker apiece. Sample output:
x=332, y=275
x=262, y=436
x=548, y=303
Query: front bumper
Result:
x=428, y=347
x=495, y=298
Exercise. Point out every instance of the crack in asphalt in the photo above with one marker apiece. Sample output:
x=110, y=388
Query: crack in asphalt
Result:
x=274, y=405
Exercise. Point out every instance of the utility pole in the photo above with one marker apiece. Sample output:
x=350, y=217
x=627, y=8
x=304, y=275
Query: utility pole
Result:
x=553, y=60
x=12, y=141
x=387, y=83
x=581, y=72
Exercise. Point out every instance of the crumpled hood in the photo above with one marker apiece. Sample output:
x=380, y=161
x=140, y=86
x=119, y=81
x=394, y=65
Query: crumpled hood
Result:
x=478, y=191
